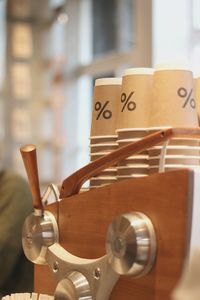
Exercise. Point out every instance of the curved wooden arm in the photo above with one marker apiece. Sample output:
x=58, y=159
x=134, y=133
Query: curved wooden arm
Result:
x=28, y=153
x=72, y=184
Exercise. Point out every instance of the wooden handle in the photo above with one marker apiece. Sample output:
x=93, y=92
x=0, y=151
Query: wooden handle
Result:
x=72, y=184
x=28, y=153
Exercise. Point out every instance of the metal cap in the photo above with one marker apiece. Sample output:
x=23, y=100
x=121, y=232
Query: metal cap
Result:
x=74, y=287
x=38, y=233
x=131, y=244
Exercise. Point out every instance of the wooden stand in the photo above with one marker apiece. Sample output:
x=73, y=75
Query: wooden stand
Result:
x=83, y=221
x=166, y=198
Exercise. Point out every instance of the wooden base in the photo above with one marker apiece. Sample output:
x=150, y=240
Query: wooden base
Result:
x=83, y=220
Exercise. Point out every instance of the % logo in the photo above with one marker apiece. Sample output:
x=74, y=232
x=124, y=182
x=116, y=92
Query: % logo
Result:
x=107, y=114
x=131, y=105
x=182, y=92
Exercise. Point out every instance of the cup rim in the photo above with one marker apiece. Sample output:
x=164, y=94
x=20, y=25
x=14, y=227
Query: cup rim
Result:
x=172, y=166
x=142, y=166
x=137, y=71
x=172, y=66
x=103, y=178
x=98, y=153
x=128, y=140
x=131, y=129
x=181, y=156
x=131, y=176
x=108, y=81
x=137, y=156
x=174, y=147
x=103, y=145
x=93, y=137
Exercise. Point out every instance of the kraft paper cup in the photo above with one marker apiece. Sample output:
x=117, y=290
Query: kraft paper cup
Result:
x=105, y=102
x=175, y=150
x=132, y=170
x=111, y=172
x=153, y=170
x=134, y=161
x=103, y=139
x=128, y=133
x=103, y=147
x=175, y=160
x=133, y=109
x=98, y=181
x=197, y=93
x=124, y=177
x=172, y=101
x=186, y=141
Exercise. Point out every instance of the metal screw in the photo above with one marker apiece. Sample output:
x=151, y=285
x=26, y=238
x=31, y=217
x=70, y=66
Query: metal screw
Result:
x=29, y=238
x=55, y=267
x=97, y=273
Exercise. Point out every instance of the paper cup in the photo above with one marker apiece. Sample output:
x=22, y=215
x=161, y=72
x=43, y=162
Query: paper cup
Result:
x=111, y=172
x=132, y=170
x=197, y=94
x=98, y=181
x=175, y=150
x=103, y=139
x=105, y=102
x=175, y=160
x=134, y=161
x=124, y=177
x=133, y=110
x=172, y=100
x=95, y=148
x=153, y=170
x=129, y=133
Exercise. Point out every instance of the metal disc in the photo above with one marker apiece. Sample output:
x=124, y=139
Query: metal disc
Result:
x=131, y=244
x=37, y=234
x=74, y=287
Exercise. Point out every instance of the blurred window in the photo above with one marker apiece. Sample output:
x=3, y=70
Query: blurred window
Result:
x=112, y=26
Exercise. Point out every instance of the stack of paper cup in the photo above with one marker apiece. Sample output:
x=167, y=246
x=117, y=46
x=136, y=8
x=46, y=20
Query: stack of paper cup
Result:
x=103, y=137
x=197, y=94
x=173, y=105
x=133, y=119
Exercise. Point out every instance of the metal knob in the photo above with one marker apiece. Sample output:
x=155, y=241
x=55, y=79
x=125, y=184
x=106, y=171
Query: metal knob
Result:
x=131, y=244
x=74, y=287
x=38, y=233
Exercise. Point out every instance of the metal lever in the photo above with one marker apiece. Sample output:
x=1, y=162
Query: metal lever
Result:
x=29, y=156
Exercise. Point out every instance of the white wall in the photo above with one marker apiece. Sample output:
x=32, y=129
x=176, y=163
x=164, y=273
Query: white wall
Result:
x=172, y=25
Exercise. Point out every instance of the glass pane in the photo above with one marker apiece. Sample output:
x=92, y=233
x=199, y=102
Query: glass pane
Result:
x=112, y=25
x=196, y=14
x=22, y=40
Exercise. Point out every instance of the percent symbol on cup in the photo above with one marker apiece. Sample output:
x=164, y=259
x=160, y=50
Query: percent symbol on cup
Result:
x=131, y=105
x=182, y=92
x=107, y=114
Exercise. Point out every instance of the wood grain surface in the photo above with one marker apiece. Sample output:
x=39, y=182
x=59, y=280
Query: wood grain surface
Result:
x=84, y=218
